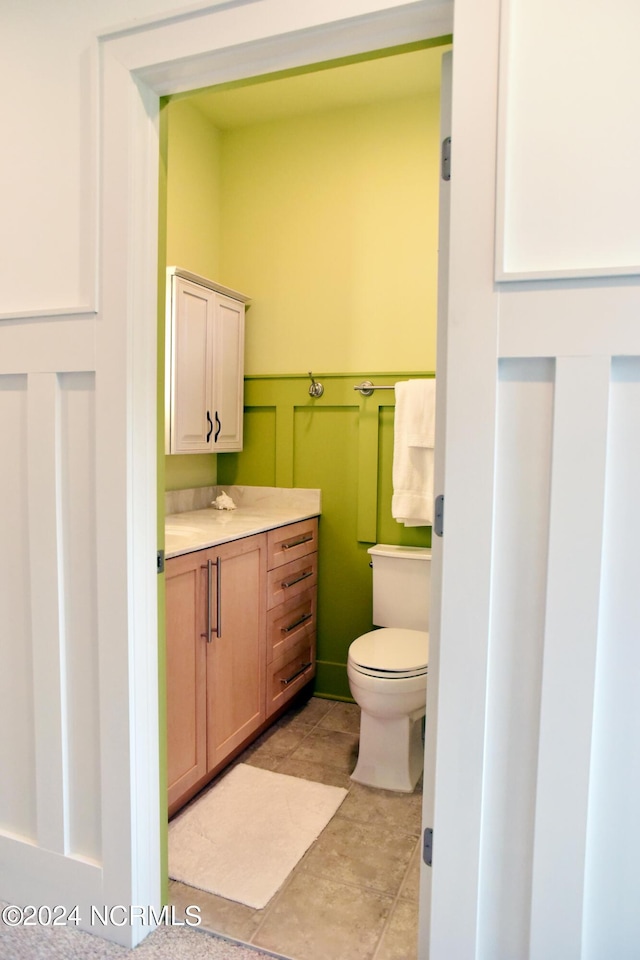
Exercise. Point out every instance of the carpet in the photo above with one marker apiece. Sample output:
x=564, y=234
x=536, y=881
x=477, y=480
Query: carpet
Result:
x=243, y=837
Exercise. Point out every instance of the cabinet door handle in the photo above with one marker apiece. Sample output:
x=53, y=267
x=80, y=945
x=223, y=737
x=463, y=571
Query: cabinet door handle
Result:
x=290, y=583
x=218, y=628
x=207, y=633
x=294, y=676
x=210, y=422
x=298, y=542
x=298, y=623
x=218, y=428
x=218, y=563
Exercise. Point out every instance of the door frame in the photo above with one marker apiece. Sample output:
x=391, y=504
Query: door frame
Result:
x=137, y=66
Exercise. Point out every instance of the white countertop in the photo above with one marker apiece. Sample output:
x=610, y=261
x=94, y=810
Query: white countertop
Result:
x=258, y=509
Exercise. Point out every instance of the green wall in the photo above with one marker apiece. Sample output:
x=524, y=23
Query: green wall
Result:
x=342, y=444
x=193, y=191
x=190, y=155
x=329, y=222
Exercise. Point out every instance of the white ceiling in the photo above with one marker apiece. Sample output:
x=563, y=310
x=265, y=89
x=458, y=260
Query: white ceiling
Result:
x=328, y=87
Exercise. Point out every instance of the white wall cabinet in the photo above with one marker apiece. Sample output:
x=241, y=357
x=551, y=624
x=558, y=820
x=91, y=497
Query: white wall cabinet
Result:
x=204, y=365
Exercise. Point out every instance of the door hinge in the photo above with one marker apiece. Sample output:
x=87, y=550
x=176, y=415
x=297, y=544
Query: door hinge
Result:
x=427, y=847
x=446, y=159
x=160, y=561
x=438, y=516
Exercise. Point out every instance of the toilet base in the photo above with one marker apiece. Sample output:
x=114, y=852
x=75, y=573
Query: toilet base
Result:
x=391, y=752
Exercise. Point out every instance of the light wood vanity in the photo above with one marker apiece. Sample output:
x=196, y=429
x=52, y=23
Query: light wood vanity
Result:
x=241, y=643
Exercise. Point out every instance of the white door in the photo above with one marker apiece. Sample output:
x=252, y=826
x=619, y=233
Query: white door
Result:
x=536, y=772
x=444, y=214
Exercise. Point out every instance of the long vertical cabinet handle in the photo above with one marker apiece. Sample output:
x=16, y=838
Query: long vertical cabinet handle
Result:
x=217, y=563
x=207, y=633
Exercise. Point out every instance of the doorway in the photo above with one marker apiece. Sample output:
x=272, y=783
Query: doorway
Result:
x=242, y=113
x=139, y=65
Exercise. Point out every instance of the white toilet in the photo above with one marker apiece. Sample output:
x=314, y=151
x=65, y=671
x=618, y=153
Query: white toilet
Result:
x=387, y=670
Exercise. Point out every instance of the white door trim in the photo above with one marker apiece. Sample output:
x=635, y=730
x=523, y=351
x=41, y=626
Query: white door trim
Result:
x=223, y=42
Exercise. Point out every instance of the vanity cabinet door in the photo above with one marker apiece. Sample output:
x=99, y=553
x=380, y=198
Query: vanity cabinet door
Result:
x=186, y=673
x=236, y=654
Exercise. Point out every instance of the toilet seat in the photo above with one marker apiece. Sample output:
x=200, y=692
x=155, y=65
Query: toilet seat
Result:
x=391, y=653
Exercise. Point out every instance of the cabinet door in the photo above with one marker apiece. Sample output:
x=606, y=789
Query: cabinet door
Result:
x=191, y=368
x=228, y=382
x=186, y=673
x=236, y=655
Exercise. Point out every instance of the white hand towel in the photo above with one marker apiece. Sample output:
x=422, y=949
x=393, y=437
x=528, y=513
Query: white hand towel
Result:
x=419, y=412
x=412, y=501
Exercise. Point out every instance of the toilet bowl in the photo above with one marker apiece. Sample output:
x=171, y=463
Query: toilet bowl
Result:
x=392, y=701
x=387, y=671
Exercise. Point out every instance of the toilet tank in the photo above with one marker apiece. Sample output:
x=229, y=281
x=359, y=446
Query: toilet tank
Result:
x=401, y=586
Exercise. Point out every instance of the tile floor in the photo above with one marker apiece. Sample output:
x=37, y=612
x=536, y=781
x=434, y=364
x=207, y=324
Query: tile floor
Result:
x=354, y=894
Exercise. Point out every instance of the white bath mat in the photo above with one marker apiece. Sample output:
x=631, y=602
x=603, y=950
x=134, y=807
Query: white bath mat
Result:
x=244, y=836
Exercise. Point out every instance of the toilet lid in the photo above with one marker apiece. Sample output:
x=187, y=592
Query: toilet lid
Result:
x=392, y=651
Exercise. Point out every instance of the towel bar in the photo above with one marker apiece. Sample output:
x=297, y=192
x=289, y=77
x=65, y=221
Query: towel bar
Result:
x=366, y=388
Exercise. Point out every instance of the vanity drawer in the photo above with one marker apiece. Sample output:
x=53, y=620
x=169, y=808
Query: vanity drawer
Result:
x=292, y=579
x=289, y=673
x=290, y=622
x=288, y=543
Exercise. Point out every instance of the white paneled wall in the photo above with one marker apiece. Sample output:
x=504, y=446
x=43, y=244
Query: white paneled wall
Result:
x=569, y=654
x=562, y=774
x=50, y=761
x=78, y=513
x=537, y=770
x=17, y=746
x=612, y=919
x=50, y=814
x=524, y=444
x=563, y=129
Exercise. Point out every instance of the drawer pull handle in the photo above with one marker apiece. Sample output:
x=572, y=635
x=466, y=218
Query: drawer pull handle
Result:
x=298, y=673
x=305, y=538
x=298, y=623
x=290, y=583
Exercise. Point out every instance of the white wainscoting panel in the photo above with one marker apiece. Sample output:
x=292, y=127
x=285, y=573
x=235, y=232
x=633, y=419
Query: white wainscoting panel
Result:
x=612, y=918
x=50, y=812
x=562, y=778
x=78, y=514
x=17, y=754
x=579, y=456
x=50, y=784
x=524, y=442
x=564, y=133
